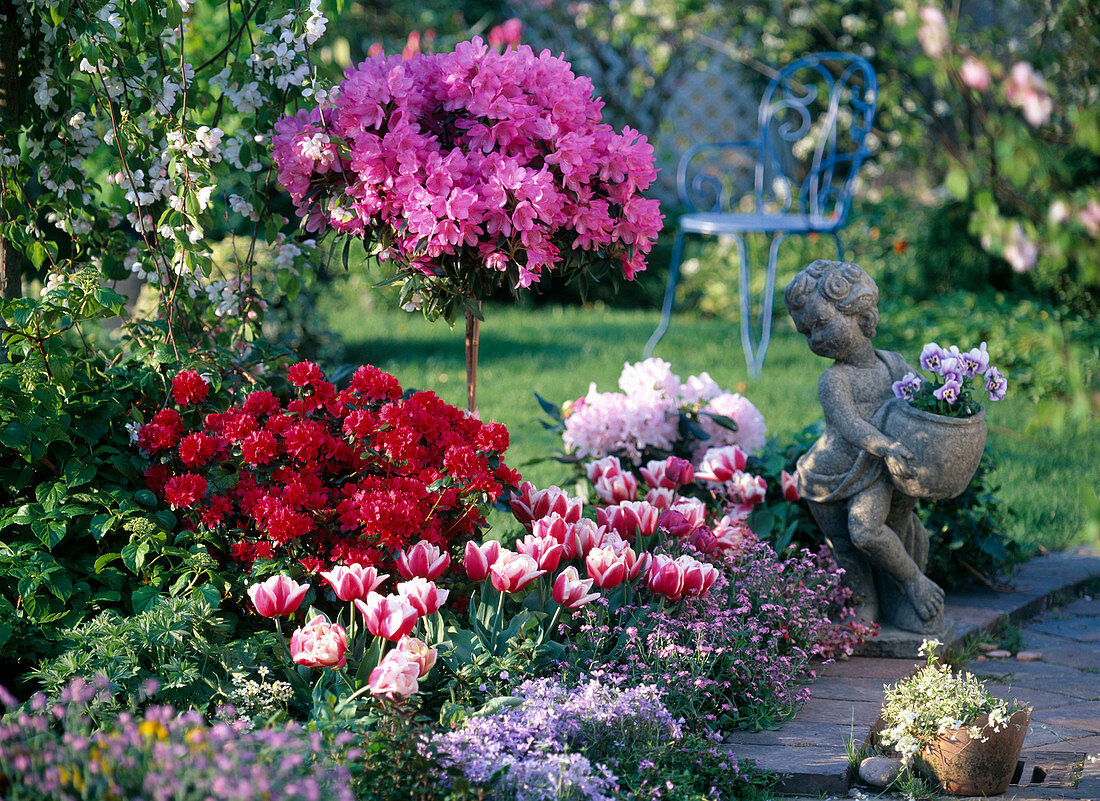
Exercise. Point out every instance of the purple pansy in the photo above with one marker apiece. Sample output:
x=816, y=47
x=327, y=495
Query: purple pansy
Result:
x=995, y=384
x=975, y=361
x=906, y=389
x=949, y=392
x=931, y=357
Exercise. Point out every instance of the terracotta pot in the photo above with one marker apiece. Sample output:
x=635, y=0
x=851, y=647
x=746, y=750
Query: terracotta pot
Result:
x=946, y=450
x=968, y=766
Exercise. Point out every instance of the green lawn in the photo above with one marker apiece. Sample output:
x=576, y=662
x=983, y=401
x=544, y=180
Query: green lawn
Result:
x=557, y=352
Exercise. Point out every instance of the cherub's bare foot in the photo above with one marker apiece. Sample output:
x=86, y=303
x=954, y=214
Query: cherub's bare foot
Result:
x=925, y=595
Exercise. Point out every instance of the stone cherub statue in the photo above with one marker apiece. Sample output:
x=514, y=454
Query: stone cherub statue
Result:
x=845, y=477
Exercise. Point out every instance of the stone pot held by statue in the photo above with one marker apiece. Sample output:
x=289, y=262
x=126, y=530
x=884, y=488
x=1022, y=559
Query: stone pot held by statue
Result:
x=946, y=450
x=982, y=765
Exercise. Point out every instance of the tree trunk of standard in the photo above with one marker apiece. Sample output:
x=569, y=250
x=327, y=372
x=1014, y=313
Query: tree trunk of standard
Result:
x=11, y=274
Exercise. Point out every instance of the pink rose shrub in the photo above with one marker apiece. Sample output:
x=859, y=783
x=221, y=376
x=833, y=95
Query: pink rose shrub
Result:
x=471, y=169
x=346, y=478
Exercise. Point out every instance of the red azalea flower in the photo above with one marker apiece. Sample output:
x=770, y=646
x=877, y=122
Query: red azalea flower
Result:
x=259, y=448
x=374, y=385
x=189, y=388
x=303, y=373
x=196, y=449
x=183, y=492
x=260, y=402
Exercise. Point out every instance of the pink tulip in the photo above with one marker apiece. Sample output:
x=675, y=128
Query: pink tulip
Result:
x=395, y=676
x=353, y=581
x=319, y=644
x=606, y=568
x=571, y=591
x=422, y=595
x=513, y=571
x=749, y=489
x=693, y=509
x=665, y=577
x=630, y=518
x=790, y=486
x=733, y=534
x=607, y=466
x=618, y=488
x=424, y=559
x=703, y=540
x=479, y=558
x=418, y=652
x=279, y=596
x=674, y=523
x=545, y=550
x=698, y=576
x=671, y=474
x=719, y=465
x=662, y=497
x=531, y=504
x=390, y=616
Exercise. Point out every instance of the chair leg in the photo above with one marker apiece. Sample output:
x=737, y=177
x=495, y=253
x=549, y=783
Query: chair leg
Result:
x=839, y=247
x=743, y=290
x=757, y=365
x=670, y=296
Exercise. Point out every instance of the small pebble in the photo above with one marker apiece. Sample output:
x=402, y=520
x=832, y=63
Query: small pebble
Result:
x=1000, y=653
x=1029, y=656
x=986, y=647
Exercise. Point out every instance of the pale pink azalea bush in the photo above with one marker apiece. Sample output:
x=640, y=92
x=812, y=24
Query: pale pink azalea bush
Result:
x=643, y=419
x=470, y=170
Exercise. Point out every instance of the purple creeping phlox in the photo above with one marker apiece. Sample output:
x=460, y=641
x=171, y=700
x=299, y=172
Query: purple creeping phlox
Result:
x=557, y=740
x=50, y=749
x=737, y=657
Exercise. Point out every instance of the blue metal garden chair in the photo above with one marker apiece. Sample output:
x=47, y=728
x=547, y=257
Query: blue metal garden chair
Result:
x=814, y=119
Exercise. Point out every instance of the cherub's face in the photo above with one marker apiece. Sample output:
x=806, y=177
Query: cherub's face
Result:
x=829, y=332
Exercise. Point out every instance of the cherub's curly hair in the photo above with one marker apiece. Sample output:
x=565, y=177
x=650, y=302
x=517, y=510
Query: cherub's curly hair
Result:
x=843, y=284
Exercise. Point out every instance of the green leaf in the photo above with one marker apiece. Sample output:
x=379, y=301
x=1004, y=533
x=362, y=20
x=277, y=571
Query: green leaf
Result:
x=145, y=497
x=548, y=407
x=105, y=560
x=133, y=555
x=49, y=532
x=957, y=182
x=144, y=598
x=100, y=526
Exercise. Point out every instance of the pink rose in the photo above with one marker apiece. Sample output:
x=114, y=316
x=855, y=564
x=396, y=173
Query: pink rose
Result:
x=422, y=595
x=932, y=34
x=279, y=596
x=319, y=644
x=424, y=559
x=975, y=74
x=395, y=676
x=390, y=616
x=353, y=581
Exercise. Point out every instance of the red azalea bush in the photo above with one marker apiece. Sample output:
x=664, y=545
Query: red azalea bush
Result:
x=326, y=476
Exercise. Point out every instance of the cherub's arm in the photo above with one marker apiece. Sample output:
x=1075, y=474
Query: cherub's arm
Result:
x=835, y=394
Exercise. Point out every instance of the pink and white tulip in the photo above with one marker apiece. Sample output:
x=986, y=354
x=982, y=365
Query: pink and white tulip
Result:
x=607, y=466
x=571, y=591
x=789, y=484
x=671, y=474
x=396, y=676
x=279, y=596
x=422, y=595
x=607, y=568
x=353, y=581
x=719, y=465
x=512, y=572
x=545, y=550
x=479, y=558
x=390, y=617
x=630, y=518
x=319, y=644
x=531, y=504
x=417, y=652
x=698, y=576
x=665, y=577
x=617, y=488
x=424, y=559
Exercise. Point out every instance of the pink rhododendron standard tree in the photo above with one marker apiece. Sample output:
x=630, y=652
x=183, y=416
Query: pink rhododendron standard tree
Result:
x=471, y=170
x=326, y=476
